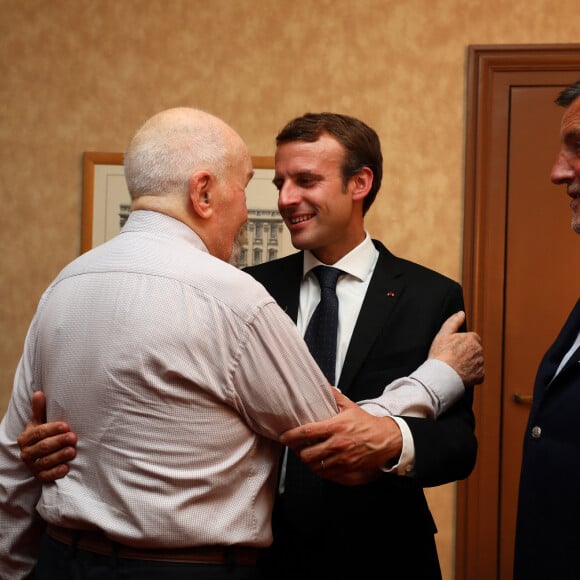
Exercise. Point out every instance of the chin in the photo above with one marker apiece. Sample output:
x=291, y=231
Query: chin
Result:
x=301, y=242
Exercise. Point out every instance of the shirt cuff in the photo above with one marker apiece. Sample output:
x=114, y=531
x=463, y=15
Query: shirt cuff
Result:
x=406, y=463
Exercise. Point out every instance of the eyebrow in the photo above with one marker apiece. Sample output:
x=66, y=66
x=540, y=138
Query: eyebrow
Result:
x=572, y=133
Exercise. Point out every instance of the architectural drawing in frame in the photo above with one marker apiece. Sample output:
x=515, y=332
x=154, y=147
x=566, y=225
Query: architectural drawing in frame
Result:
x=106, y=206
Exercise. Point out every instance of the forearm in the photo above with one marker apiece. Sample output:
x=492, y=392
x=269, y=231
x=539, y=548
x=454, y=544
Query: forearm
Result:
x=427, y=392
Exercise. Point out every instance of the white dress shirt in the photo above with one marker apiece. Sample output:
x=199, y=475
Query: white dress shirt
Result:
x=567, y=357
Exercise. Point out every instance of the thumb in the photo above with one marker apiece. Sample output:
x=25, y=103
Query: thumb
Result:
x=453, y=323
x=342, y=401
x=38, y=408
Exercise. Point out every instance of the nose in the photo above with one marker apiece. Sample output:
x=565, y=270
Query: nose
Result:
x=562, y=170
x=288, y=195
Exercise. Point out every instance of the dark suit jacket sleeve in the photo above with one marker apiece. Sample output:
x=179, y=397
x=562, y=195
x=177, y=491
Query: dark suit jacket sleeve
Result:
x=446, y=448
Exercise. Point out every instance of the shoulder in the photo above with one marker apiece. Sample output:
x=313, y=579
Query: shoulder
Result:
x=269, y=271
x=403, y=267
x=229, y=281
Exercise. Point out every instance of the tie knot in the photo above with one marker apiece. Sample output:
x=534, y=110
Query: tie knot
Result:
x=327, y=276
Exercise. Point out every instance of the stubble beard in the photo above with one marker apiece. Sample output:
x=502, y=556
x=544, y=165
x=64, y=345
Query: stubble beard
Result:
x=239, y=241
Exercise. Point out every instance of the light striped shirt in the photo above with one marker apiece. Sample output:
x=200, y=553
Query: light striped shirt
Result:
x=178, y=372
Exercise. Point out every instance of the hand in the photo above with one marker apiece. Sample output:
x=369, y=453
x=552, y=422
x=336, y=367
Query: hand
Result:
x=46, y=447
x=349, y=448
x=460, y=350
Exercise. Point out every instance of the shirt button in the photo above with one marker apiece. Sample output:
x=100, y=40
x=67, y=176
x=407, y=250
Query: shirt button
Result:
x=536, y=432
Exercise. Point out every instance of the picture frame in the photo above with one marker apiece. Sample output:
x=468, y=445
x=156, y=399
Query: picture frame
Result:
x=106, y=205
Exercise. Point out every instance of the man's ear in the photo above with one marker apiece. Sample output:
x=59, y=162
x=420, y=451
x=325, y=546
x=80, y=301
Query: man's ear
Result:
x=200, y=185
x=362, y=183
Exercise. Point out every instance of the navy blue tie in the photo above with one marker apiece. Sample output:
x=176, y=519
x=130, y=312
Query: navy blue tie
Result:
x=321, y=334
x=302, y=486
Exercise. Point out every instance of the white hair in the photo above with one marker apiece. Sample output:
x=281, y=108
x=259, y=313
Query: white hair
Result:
x=172, y=145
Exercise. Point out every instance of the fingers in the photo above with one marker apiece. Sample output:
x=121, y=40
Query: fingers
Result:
x=475, y=375
x=46, y=461
x=362, y=442
x=342, y=401
x=453, y=323
x=48, y=452
x=35, y=433
x=46, y=447
x=465, y=355
x=38, y=408
x=304, y=435
x=462, y=351
x=51, y=466
x=311, y=433
x=50, y=475
x=358, y=455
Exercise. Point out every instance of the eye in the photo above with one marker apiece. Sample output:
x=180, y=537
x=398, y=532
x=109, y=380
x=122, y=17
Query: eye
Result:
x=572, y=142
x=306, y=180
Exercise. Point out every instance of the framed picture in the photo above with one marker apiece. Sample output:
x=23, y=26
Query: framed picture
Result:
x=106, y=206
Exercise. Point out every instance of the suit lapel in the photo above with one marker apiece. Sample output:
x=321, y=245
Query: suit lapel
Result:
x=573, y=361
x=385, y=288
x=558, y=350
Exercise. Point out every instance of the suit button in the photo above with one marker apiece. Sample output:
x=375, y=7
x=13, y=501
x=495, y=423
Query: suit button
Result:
x=536, y=432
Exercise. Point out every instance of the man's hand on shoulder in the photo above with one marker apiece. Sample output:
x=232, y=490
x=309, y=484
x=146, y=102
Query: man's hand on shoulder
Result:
x=462, y=351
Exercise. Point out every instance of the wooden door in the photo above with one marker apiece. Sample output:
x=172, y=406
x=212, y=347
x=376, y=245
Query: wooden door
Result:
x=518, y=274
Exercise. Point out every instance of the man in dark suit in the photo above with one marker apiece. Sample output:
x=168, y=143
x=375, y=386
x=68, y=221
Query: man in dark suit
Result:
x=328, y=171
x=368, y=515
x=547, y=533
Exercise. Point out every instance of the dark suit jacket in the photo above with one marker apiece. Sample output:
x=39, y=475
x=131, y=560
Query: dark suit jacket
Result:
x=548, y=532
x=404, y=308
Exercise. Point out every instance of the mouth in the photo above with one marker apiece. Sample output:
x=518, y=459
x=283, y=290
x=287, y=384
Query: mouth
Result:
x=294, y=220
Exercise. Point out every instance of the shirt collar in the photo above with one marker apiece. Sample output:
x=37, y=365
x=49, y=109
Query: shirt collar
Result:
x=359, y=262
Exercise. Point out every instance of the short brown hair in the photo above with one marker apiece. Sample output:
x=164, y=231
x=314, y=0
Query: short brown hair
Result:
x=362, y=147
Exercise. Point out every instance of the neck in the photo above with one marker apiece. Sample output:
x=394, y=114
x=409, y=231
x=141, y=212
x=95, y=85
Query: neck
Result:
x=169, y=206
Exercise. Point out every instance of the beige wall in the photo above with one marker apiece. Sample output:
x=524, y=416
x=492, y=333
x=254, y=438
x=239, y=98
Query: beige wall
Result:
x=81, y=75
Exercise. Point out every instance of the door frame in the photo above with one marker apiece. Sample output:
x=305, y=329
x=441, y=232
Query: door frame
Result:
x=491, y=72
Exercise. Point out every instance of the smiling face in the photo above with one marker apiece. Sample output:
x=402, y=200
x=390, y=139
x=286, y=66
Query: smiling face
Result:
x=566, y=169
x=322, y=213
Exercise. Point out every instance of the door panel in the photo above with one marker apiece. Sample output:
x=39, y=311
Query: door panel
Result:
x=518, y=274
